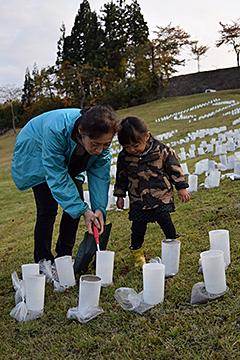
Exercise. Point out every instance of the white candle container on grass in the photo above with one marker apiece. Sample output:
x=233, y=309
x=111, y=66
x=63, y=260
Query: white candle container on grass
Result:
x=237, y=167
x=35, y=292
x=191, y=153
x=211, y=165
x=185, y=169
x=214, y=178
x=201, y=151
x=89, y=292
x=219, y=240
x=65, y=271
x=171, y=256
x=104, y=266
x=213, y=267
x=223, y=159
x=153, y=283
x=193, y=183
x=29, y=269
x=231, y=160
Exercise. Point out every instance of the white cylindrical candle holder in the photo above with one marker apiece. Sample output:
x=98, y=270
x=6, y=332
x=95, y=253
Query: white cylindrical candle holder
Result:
x=89, y=291
x=219, y=240
x=237, y=167
x=211, y=165
x=209, y=147
x=171, y=256
x=191, y=153
x=201, y=151
x=182, y=156
x=231, y=160
x=153, y=283
x=104, y=266
x=223, y=159
x=193, y=183
x=213, y=267
x=65, y=270
x=214, y=178
x=35, y=292
x=184, y=168
x=29, y=269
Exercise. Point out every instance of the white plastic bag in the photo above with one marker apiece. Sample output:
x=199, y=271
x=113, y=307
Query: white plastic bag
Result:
x=20, y=312
x=131, y=301
x=85, y=315
x=45, y=267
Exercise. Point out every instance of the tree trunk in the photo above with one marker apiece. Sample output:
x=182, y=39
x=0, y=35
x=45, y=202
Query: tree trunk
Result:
x=198, y=61
x=158, y=80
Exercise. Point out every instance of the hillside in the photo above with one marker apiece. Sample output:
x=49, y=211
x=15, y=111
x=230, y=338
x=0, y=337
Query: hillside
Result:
x=174, y=329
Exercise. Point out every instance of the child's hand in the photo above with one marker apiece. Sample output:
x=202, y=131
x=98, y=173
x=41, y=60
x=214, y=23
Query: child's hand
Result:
x=120, y=203
x=184, y=195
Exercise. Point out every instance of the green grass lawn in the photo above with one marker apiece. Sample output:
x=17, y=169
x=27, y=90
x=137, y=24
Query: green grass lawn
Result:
x=174, y=329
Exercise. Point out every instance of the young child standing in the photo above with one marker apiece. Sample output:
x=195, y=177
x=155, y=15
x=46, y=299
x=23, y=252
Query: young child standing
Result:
x=147, y=169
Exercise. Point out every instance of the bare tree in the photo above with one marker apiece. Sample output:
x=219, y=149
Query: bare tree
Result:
x=9, y=94
x=230, y=35
x=198, y=51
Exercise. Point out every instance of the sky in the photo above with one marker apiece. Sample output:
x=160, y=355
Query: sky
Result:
x=30, y=29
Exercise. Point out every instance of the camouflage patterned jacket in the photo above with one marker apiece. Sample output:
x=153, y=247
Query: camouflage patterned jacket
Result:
x=149, y=178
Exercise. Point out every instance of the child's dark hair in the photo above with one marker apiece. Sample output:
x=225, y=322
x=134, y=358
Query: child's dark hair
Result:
x=98, y=120
x=132, y=129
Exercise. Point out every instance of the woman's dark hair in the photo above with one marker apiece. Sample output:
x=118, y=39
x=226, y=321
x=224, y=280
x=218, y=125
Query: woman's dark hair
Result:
x=132, y=129
x=98, y=120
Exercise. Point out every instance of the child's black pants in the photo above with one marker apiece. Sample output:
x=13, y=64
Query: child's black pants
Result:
x=139, y=229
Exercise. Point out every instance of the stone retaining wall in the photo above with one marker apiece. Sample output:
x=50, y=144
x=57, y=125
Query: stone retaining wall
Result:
x=222, y=79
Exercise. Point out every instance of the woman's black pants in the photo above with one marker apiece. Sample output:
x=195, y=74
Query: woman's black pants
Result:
x=139, y=229
x=46, y=214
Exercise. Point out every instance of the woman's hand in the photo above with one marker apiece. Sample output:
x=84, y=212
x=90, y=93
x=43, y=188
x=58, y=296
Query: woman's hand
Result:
x=94, y=218
x=184, y=195
x=100, y=221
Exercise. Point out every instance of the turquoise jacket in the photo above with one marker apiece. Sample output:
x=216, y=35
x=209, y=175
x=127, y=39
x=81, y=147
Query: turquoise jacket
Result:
x=42, y=153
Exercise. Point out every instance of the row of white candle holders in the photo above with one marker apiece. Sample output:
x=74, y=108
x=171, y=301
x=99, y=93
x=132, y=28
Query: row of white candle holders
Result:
x=181, y=114
x=214, y=262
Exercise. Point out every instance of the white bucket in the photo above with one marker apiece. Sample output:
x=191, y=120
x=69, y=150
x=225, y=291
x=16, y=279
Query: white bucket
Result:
x=35, y=292
x=65, y=271
x=171, y=256
x=219, y=240
x=29, y=269
x=153, y=283
x=104, y=266
x=193, y=183
x=213, y=267
x=89, y=291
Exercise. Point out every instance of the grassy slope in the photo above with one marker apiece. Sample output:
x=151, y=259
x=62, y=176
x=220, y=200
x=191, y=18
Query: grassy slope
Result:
x=172, y=330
